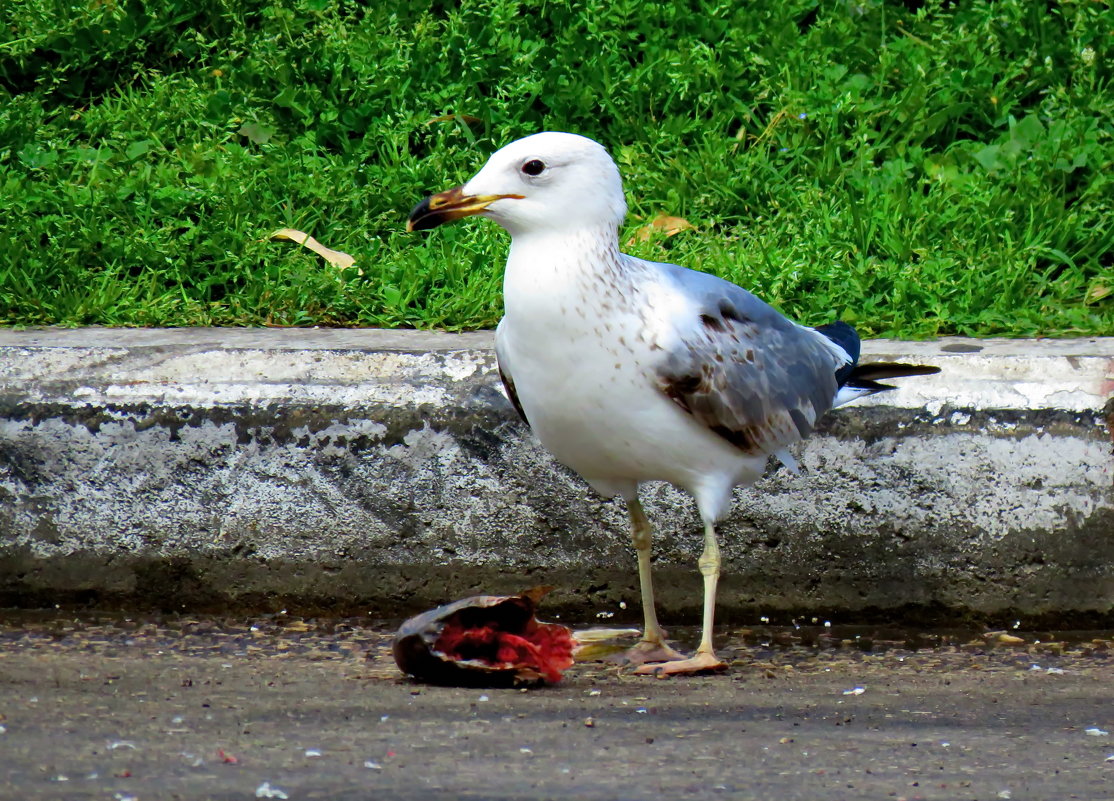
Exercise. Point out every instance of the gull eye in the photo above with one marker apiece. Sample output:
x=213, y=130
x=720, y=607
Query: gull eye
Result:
x=533, y=167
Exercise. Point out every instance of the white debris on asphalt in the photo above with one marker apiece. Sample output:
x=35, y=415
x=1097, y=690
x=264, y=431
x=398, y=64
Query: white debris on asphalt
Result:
x=313, y=752
x=855, y=691
x=265, y=790
x=372, y=765
x=1095, y=731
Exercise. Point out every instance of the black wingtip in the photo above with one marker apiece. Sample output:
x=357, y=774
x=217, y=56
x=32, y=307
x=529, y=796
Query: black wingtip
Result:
x=872, y=371
x=865, y=376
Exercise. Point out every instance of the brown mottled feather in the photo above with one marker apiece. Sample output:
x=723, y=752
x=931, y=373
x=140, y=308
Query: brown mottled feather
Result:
x=750, y=375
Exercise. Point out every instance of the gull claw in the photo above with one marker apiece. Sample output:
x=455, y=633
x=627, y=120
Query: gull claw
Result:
x=701, y=663
x=645, y=653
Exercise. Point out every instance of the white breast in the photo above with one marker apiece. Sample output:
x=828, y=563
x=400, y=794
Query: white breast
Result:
x=580, y=343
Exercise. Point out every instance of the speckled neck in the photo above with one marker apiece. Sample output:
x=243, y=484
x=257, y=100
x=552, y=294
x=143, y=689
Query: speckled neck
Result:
x=565, y=273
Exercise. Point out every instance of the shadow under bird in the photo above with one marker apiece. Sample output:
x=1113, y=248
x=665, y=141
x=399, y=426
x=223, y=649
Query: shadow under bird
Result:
x=632, y=371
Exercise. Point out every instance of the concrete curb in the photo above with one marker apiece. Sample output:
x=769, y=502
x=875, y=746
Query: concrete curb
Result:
x=382, y=471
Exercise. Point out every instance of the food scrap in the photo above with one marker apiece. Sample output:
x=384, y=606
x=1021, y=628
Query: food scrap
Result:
x=485, y=640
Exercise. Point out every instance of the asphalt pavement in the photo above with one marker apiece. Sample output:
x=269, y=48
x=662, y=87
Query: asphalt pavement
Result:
x=97, y=707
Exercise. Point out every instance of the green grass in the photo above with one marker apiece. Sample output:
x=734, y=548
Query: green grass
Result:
x=917, y=169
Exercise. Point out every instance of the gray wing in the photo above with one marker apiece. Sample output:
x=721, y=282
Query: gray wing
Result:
x=505, y=373
x=744, y=370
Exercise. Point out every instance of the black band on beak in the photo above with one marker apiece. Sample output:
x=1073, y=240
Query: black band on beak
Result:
x=448, y=206
x=423, y=218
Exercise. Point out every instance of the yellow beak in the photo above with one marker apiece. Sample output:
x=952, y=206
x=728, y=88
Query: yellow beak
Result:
x=448, y=206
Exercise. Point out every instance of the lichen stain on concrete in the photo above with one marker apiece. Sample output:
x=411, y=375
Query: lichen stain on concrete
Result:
x=421, y=445
x=463, y=365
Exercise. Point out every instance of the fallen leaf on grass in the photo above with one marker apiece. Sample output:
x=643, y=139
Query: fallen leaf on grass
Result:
x=1098, y=291
x=662, y=224
x=334, y=257
x=465, y=118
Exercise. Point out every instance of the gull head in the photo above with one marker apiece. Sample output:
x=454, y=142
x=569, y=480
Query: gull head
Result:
x=546, y=183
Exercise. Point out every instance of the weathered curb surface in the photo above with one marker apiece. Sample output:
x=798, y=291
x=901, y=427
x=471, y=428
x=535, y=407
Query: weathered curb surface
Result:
x=373, y=470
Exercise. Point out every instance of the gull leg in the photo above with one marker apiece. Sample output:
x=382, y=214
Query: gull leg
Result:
x=709, y=565
x=705, y=658
x=652, y=647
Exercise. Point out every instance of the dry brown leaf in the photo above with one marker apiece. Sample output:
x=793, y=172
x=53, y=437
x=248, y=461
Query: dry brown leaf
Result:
x=585, y=636
x=1098, y=291
x=466, y=118
x=597, y=644
x=662, y=224
x=597, y=651
x=334, y=257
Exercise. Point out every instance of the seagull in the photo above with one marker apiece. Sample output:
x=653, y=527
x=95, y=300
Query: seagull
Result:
x=631, y=371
